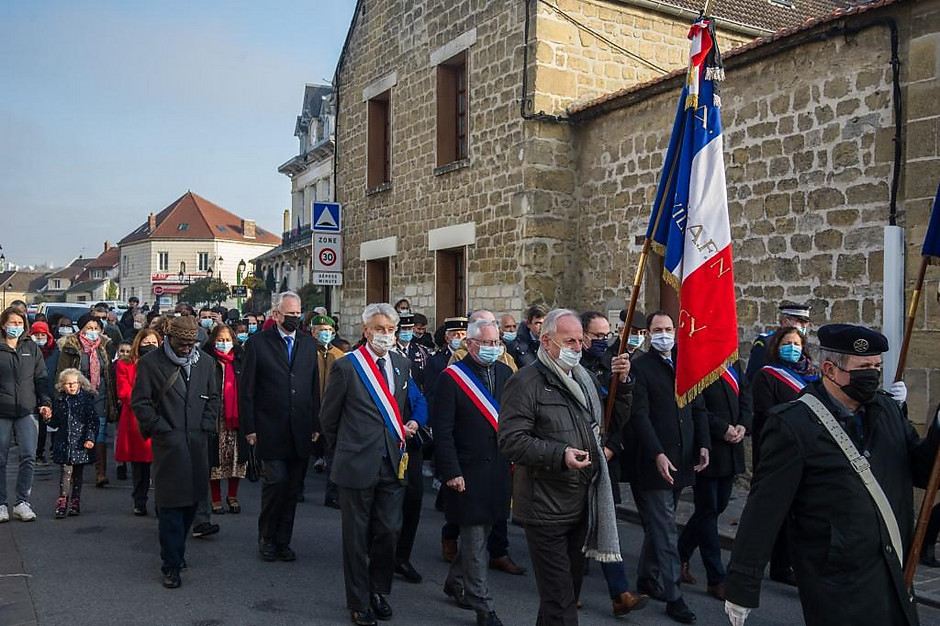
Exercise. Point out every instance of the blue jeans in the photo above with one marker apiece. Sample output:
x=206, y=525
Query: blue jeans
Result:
x=27, y=434
x=174, y=525
x=701, y=531
x=102, y=429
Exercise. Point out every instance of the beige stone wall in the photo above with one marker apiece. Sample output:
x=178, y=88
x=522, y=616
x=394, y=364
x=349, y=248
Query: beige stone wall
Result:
x=809, y=155
x=573, y=64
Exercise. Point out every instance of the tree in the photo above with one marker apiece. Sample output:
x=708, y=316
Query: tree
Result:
x=253, y=283
x=205, y=291
x=270, y=283
x=111, y=293
x=311, y=296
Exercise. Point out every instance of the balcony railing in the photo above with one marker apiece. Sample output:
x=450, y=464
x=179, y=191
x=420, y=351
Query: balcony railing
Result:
x=297, y=237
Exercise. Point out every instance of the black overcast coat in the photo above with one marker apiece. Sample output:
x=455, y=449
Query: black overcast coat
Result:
x=845, y=566
x=466, y=444
x=727, y=408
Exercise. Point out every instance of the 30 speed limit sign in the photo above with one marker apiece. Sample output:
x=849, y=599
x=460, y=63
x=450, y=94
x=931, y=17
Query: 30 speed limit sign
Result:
x=327, y=253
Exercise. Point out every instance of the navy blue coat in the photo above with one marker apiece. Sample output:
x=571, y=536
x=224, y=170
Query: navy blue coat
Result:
x=77, y=422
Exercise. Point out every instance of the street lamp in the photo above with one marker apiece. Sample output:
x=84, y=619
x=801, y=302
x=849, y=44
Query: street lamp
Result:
x=239, y=273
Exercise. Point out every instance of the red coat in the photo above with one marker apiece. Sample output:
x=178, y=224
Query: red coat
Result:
x=131, y=446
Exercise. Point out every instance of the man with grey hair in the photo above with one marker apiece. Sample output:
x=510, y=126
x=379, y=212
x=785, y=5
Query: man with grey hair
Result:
x=278, y=398
x=367, y=421
x=550, y=426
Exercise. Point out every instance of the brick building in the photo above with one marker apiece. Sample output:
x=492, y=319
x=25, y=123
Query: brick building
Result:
x=476, y=170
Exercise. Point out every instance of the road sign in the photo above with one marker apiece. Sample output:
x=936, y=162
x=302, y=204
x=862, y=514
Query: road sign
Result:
x=327, y=253
x=327, y=278
x=327, y=217
x=158, y=290
x=239, y=291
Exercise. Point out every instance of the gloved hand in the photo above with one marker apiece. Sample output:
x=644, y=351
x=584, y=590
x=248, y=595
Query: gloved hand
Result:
x=736, y=614
x=899, y=391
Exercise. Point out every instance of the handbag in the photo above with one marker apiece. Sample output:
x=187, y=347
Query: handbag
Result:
x=255, y=469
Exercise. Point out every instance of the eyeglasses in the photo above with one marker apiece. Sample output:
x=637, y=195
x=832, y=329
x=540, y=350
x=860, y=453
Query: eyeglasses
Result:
x=599, y=335
x=492, y=344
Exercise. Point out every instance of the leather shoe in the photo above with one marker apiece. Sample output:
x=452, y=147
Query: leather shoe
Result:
x=456, y=592
x=506, y=564
x=362, y=618
x=488, y=619
x=716, y=591
x=785, y=576
x=140, y=511
x=408, y=572
x=268, y=551
x=654, y=590
x=380, y=605
x=686, y=577
x=449, y=550
x=284, y=553
x=680, y=612
x=628, y=602
x=171, y=579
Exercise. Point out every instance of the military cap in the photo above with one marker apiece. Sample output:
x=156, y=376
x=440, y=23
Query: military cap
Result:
x=183, y=327
x=851, y=339
x=792, y=309
x=455, y=323
x=406, y=320
x=322, y=320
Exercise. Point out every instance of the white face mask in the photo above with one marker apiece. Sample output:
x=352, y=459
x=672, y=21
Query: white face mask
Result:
x=383, y=343
x=663, y=342
x=138, y=325
x=568, y=357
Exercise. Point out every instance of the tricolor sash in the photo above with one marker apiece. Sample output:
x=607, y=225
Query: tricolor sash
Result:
x=476, y=391
x=731, y=377
x=789, y=378
x=378, y=388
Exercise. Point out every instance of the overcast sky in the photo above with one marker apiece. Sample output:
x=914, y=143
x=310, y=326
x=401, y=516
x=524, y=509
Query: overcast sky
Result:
x=111, y=110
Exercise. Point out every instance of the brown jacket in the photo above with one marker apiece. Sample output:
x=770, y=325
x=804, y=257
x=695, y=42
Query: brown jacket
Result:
x=70, y=355
x=325, y=359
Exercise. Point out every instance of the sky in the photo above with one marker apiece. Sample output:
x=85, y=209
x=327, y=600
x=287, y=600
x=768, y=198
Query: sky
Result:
x=113, y=109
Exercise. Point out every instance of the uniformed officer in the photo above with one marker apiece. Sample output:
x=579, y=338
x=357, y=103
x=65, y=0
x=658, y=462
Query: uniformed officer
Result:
x=846, y=549
x=455, y=330
x=791, y=314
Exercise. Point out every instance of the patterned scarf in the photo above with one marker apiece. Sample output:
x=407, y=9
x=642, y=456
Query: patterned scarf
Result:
x=229, y=389
x=804, y=368
x=94, y=362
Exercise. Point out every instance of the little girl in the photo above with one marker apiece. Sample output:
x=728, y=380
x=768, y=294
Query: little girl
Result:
x=73, y=445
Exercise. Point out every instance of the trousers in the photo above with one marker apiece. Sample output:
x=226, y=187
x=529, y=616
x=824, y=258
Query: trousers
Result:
x=468, y=570
x=26, y=429
x=282, y=480
x=701, y=531
x=174, y=525
x=558, y=562
x=659, y=556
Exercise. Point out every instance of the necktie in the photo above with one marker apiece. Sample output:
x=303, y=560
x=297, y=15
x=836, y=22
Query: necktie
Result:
x=381, y=364
x=290, y=347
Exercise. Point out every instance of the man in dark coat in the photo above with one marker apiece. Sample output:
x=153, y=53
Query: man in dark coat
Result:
x=366, y=419
x=728, y=401
x=476, y=476
x=455, y=329
x=847, y=566
x=526, y=346
x=672, y=444
x=278, y=399
x=176, y=402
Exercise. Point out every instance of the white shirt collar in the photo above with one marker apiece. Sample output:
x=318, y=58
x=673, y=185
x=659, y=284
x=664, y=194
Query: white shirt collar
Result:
x=292, y=335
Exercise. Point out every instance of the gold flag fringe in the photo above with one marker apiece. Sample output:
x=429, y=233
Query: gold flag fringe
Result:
x=699, y=387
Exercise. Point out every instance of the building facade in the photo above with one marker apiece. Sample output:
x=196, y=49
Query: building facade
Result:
x=189, y=240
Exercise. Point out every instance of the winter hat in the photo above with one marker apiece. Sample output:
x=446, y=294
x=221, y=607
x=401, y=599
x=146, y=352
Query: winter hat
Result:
x=84, y=319
x=183, y=327
x=40, y=328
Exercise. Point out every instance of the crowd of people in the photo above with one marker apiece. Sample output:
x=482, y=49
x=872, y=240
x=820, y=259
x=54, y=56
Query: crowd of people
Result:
x=509, y=419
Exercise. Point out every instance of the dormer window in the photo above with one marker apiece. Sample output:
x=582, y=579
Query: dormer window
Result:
x=183, y=226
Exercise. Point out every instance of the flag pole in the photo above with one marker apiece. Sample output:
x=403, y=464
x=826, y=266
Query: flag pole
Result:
x=933, y=483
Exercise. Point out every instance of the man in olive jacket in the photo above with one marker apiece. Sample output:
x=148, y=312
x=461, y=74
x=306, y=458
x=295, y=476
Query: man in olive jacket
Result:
x=176, y=402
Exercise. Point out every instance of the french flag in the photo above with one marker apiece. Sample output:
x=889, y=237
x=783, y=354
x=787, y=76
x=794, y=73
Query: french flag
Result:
x=690, y=227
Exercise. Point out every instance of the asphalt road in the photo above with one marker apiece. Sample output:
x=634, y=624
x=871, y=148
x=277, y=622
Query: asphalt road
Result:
x=103, y=568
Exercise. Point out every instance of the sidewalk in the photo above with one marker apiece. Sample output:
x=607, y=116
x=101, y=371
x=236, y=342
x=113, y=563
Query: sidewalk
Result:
x=16, y=603
x=926, y=580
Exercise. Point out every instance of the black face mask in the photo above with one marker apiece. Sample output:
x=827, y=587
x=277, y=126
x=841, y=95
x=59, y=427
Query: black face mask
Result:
x=142, y=350
x=290, y=323
x=863, y=385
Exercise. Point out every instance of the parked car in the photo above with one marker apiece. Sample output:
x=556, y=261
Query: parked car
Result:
x=72, y=310
x=115, y=305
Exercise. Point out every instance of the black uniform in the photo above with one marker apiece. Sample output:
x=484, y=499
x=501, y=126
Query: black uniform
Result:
x=845, y=566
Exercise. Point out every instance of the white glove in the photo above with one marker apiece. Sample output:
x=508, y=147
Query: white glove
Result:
x=736, y=614
x=899, y=391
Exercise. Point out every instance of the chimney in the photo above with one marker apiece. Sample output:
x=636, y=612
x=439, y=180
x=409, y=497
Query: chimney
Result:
x=286, y=220
x=152, y=223
x=248, y=229
x=107, y=245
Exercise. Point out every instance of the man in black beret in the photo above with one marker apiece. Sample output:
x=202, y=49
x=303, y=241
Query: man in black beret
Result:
x=839, y=463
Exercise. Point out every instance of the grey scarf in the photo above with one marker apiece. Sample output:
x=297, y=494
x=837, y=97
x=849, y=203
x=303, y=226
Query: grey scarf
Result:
x=185, y=362
x=602, y=542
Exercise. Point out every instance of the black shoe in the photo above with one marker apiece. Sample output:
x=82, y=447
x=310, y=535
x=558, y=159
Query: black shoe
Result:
x=284, y=553
x=171, y=579
x=381, y=607
x=680, y=612
x=331, y=503
x=362, y=618
x=205, y=529
x=456, y=592
x=408, y=572
x=784, y=576
x=653, y=590
x=488, y=619
x=140, y=510
x=268, y=551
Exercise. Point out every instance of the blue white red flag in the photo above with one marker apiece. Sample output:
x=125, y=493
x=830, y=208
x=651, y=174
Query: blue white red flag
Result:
x=690, y=226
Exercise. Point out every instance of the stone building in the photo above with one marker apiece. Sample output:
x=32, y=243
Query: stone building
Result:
x=550, y=196
x=311, y=179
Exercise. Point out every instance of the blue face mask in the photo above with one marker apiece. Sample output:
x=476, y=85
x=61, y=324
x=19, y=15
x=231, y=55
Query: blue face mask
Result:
x=325, y=336
x=91, y=335
x=14, y=331
x=252, y=328
x=405, y=336
x=223, y=347
x=509, y=337
x=635, y=341
x=206, y=322
x=242, y=337
x=598, y=347
x=489, y=354
x=790, y=353
x=454, y=344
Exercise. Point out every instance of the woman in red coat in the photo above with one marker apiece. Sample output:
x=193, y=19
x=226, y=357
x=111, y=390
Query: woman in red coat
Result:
x=131, y=447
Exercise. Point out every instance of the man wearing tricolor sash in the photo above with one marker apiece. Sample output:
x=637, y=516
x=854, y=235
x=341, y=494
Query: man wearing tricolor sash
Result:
x=476, y=476
x=366, y=419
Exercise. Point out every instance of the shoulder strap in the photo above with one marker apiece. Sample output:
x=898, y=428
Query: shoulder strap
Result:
x=862, y=467
x=169, y=382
